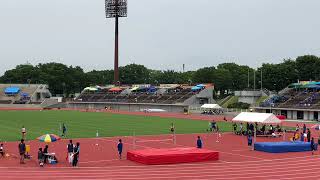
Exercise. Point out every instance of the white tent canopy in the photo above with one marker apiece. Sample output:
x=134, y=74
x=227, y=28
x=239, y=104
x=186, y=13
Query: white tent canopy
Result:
x=251, y=117
x=211, y=106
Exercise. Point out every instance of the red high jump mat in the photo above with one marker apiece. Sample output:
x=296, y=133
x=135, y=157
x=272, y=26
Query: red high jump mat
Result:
x=172, y=155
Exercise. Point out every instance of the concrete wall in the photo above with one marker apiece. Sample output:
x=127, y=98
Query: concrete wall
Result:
x=248, y=93
x=195, y=100
x=249, y=97
x=128, y=106
x=292, y=114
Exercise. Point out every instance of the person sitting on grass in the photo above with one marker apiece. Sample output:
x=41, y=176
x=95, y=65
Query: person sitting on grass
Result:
x=2, y=153
x=199, y=143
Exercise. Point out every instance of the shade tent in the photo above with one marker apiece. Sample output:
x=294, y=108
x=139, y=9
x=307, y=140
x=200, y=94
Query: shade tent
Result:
x=134, y=88
x=311, y=86
x=12, y=90
x=252, y=117
x=152, y=89
x=115, y=89
x=211, y=106
x=90, y=89
x=200, y=85
x=195, y=88
x=24, y=94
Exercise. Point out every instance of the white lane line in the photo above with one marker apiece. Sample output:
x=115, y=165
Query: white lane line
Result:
x=169, y=170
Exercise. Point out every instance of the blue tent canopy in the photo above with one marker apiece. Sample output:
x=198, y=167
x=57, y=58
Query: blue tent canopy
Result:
x=24, y=94
x=200, y=85
x=152, y=89
x=312, y=86
x=12, y=90
x=313, y=83
x=195, y=88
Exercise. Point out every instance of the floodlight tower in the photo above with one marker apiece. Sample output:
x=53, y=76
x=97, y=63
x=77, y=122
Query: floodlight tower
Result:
x=116, y=9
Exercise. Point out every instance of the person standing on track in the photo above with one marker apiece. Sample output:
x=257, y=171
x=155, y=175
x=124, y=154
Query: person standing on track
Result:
x=308, y=135
x=249, y=140
x=2, y=153
x=70, y=148
x=312, y=145
x=76, y=155
x=22, y=151
x=120, y=148
x=199, y=143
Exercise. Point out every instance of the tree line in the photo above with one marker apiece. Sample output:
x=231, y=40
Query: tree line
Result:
x=227, y=77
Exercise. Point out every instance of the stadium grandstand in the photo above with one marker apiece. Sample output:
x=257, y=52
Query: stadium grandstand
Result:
x=23, y=94
x=297, y=101
x=171, y=97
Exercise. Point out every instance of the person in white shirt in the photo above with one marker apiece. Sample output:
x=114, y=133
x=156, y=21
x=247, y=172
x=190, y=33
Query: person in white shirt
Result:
x=70, y=148
x=23, y=132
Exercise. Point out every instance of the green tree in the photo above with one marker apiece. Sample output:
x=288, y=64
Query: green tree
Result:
x=204, y=75
x=134, y=74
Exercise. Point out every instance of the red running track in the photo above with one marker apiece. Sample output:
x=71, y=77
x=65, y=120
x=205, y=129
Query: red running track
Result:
x=237, y=161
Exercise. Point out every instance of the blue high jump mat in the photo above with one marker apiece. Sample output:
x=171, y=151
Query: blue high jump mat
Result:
x=282, y=147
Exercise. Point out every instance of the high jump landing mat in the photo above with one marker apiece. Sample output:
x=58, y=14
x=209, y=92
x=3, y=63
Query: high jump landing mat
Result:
x=172, y=155
x=282, y=147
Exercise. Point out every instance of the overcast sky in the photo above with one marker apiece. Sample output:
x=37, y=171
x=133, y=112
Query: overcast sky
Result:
x=161, y=34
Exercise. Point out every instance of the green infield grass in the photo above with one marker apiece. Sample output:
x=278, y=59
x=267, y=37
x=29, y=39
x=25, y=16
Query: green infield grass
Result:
x=86, y=124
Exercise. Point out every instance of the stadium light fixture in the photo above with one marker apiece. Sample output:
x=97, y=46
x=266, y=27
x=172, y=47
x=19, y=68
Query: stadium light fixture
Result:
x=116, y=9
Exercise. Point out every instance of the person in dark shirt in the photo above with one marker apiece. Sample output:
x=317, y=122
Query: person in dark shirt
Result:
x=249, y=140
x=120, y=147
x=199, y=143
x=45, y=152
x=76, y=155
x=1, y=150
x=40, y=157
x=235, y=128
x=70, y=148
x=22, y=151
x=308, y=135
x=312, y=145
x=172, y=128
x=304, y=128
x=64, y=130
